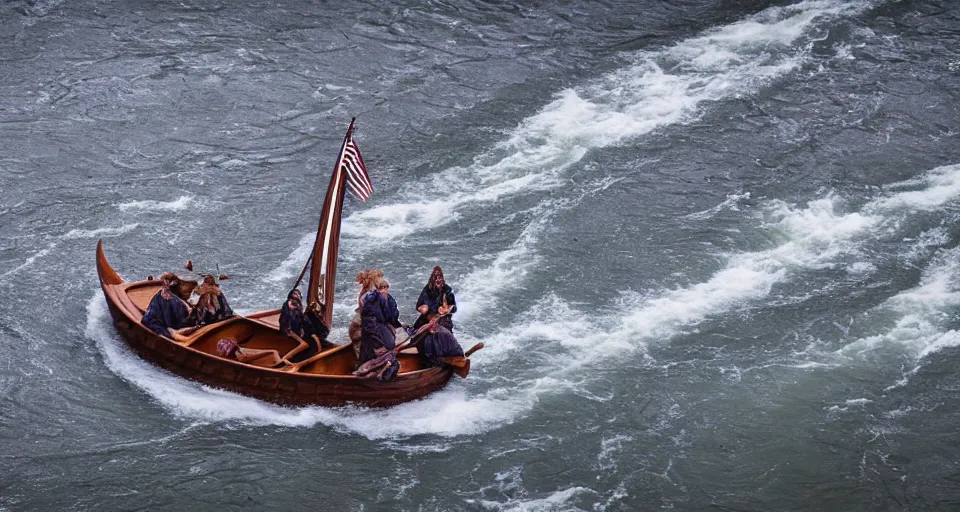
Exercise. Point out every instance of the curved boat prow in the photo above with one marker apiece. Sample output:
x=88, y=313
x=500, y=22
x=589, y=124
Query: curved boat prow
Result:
x=104, y=270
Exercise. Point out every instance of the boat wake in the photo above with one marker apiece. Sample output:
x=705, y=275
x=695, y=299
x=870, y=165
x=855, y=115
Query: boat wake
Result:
x=563, y=343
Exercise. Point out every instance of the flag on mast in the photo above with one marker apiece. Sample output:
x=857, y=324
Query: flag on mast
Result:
x=358, y=181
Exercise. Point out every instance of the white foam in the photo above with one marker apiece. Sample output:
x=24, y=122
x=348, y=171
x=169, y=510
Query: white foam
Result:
x=814, y=237
x=927, y=241
x=941, y=186
x=398, y=220
x=919, y=314
x=480, y=287
x=607, y=459
x=731, y=203
x=181, y=203
x=100, y=232
x=555, y=501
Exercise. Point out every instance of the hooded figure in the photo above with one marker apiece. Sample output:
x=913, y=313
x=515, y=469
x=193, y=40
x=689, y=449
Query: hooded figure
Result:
x=291, y=315
x=212, y=305
x=166, y=311
x=295, y=321
x=436, y=299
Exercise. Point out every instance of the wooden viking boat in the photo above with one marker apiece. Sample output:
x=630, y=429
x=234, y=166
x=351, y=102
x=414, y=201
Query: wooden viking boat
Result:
x=325, y=378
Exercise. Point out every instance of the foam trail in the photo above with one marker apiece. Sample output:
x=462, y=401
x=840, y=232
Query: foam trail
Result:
x=731, y=203
x=447, y=413
x=559, y=500
x=101, y=232
x=661, y=88
x=941, y=185
x=181, y=203
x=920, y=313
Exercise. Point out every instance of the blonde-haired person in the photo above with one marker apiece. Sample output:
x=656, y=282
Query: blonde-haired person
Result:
x=379, y=317
x=367, y=279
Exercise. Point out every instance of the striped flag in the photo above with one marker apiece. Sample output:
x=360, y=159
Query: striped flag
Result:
x=358, y=181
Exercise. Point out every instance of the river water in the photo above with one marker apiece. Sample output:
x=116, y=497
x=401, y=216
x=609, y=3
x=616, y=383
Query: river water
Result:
x=711, y=248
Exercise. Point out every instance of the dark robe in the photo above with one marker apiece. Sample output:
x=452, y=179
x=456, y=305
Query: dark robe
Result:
x=440, y=344
x=378, y=318
x=292, y=320
x=163, y=314
x=433, y=298
x=304, y=325
x=224, y=311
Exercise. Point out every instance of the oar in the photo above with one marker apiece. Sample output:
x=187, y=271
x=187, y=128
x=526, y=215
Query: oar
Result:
x=461, y=364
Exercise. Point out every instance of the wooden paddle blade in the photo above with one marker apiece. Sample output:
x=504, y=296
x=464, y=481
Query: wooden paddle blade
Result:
x=460, y=364
x=463, y=370
x=456, y=361
x=473, y=349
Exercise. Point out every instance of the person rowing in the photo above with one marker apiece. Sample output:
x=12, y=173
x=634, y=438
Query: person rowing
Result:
x=436, y=298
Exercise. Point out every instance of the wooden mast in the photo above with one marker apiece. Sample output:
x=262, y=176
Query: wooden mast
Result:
x=323, y=259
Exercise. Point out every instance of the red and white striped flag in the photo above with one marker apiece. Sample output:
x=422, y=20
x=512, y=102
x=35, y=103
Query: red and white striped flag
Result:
x=358, y=181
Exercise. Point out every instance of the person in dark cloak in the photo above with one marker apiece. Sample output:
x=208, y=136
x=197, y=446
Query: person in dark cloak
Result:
x=436, y=299
x=439, y=343
x=212, y=306
x=379, y=317
x=167, y=312
x=306, y=325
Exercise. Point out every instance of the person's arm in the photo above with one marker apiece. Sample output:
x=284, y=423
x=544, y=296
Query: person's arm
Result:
x=452, y=302
x=394, y=312
x=423, y=307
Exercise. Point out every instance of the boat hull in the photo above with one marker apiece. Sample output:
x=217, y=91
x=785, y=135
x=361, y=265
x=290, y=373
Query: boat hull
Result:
x=276, y=385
